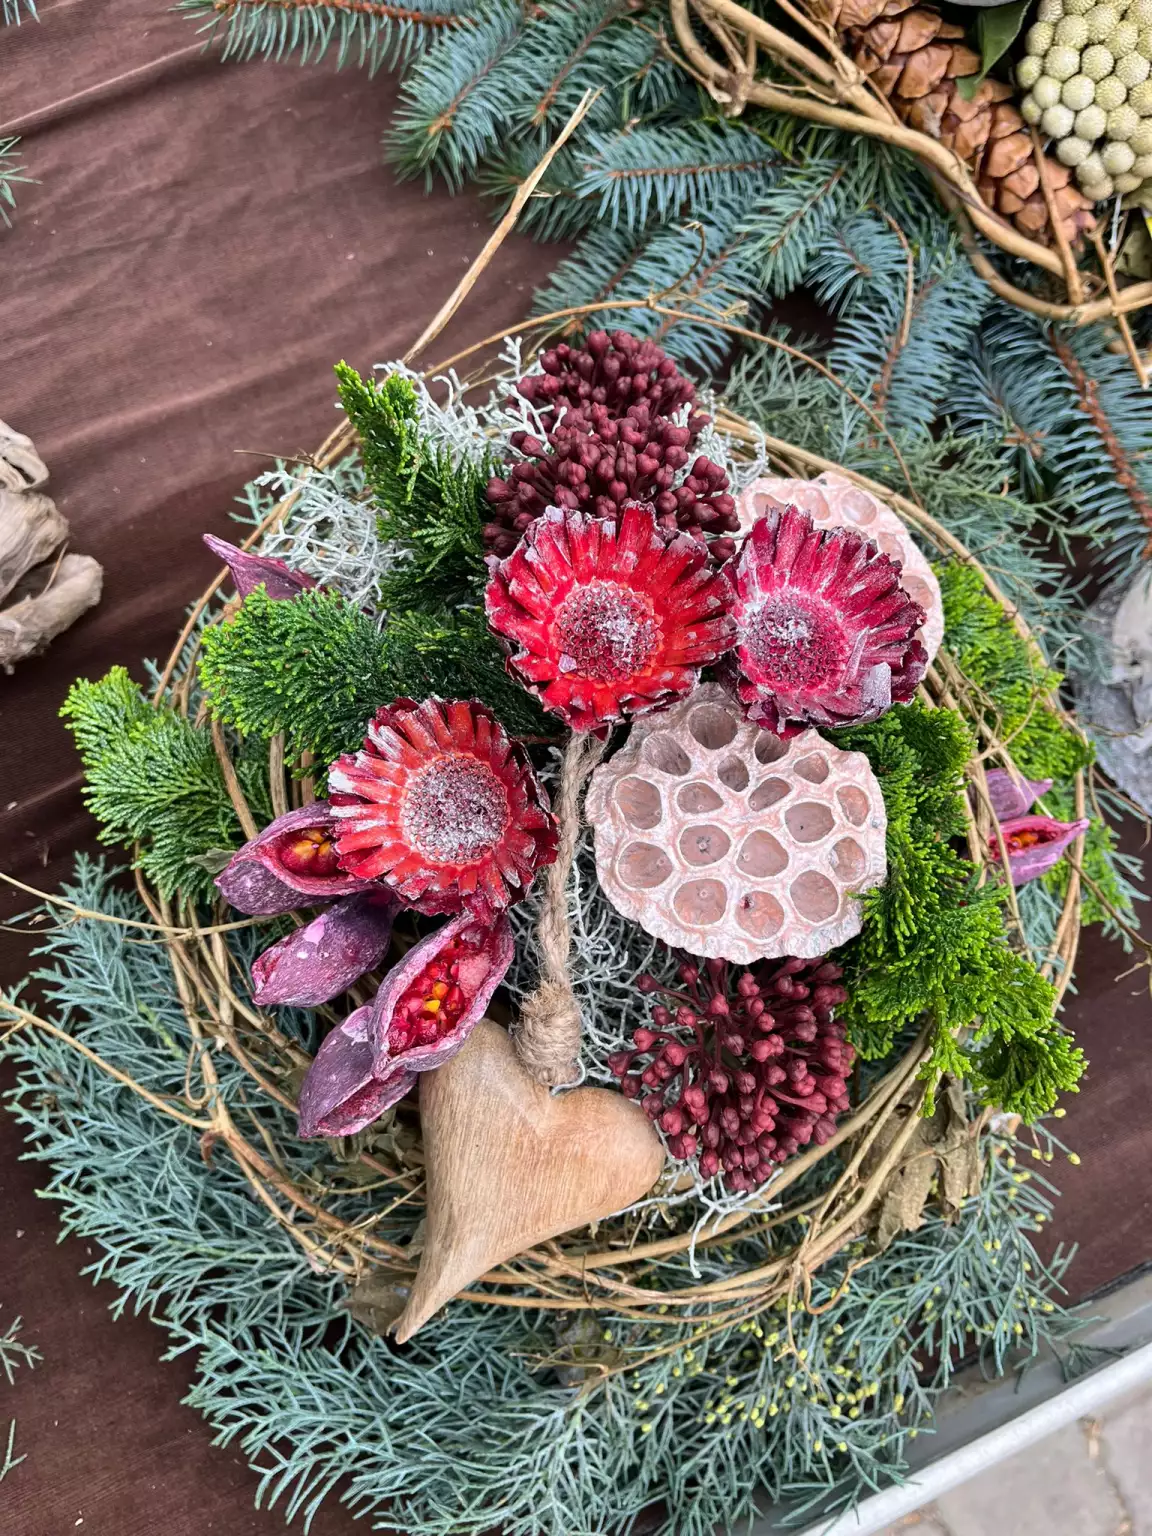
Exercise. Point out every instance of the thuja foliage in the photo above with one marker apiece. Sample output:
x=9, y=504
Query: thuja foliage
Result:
x=933, y=944
x=430, y=504
x=317, y=669
x=1006, y=676
x=472, y=1425
x=153, y=780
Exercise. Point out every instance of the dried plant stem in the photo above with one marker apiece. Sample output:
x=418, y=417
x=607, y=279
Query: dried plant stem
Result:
x=547, y=1036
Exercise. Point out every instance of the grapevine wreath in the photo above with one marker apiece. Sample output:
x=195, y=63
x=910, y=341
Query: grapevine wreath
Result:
x=604, y=885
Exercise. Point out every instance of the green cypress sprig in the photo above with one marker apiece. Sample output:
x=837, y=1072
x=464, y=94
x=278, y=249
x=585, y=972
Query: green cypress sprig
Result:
x=430, y=506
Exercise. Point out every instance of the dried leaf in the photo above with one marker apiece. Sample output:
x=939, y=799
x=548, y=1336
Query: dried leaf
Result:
x=376, y=1300
x=1134, y=259
x=942, y=1155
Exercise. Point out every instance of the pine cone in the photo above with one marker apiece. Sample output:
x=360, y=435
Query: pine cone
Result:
x=917, y=59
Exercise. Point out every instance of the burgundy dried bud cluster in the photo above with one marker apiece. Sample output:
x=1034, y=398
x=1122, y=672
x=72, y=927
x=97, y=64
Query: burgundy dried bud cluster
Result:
x=742, y=1068
x=617, y=370
x=598, y=463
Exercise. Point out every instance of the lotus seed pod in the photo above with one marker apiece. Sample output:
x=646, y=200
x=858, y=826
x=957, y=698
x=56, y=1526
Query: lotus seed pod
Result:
x=1028, y=71
x=1102, y=21
x=1072, y=151
x=1128, y=182
x=1058, y=121
x=1050, y=10
x=1061, y=63
x=1141, y=140
x=1140, y=97
x=1142, y=166
x=1096, y=62
x=1091, y=170
x=1140, y=11
x=1111, y=93
x=1132, y=69
x=1117, y=158
x=1123, y=38
x=1031, y=111
x=1046, y=92
x=1040, y=37
x=1097, y=191
x=1122, y=123
x=1072, y=32
x=1078, y=93
x=1091, y=123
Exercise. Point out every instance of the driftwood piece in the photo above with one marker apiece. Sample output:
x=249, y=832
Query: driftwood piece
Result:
x=21, y=467
x=30, y=529
x=510, y=1166
x=28, y=626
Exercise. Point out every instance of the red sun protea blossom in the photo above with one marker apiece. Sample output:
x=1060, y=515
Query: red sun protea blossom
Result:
x=616, y=371
x=443, y=808
x=826, y=633
x=742, y=1076
x=611, y=618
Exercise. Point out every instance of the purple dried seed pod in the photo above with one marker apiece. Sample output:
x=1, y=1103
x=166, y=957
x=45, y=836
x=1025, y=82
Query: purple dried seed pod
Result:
x=251, y=571
x=318, y=962
x=428, y=1004
x=1011, y=796
x=1035, y=844
x=340, y=1094
x=293, y=858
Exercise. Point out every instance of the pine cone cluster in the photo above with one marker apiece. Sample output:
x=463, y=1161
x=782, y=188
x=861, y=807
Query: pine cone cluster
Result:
x=917, y=59
x=598, y=462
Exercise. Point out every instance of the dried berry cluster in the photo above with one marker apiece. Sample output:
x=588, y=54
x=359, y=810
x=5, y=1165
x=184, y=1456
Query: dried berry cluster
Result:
x=742, y=1075
x=617, y=370
x=606, y=453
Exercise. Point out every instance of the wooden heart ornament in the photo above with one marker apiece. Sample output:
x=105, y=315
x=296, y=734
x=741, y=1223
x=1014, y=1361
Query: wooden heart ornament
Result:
x=509, y=1166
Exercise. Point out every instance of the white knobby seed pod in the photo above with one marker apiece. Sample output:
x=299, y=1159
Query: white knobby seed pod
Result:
x=1102, y=21
x=1097, y=191
x=1140, y=11
x=1072, y=151
x=1141, y=140
x=1028, y=70
x=1078, y=7
x=1110, y=93
x=1144, y=42
x=1097, y=62
x=1142, y=166
x=1140, y=97
x=1061, y=63
x=1128, y=182
x=1132, y=69
x=1091, y=123
x=1117, y=158
x=1072, y=32
x=1039, y=37
x=1122, y=39
x=1050, y=10
x=1058, y=121
x=1046, y=92
x=1031, y=111
x=1091, y=170
x=1078, y=93
x=1123, y=123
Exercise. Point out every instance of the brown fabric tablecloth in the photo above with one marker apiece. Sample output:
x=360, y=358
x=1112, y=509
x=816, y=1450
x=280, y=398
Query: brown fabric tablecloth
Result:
x=204, y=241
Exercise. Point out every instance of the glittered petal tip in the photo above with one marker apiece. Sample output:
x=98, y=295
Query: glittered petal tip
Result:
x=428, y=1004
x=292, y=863
x=1035, y=844
x=251, y=571
x=1012, y=795
x=320, y=961
x=340, y=1094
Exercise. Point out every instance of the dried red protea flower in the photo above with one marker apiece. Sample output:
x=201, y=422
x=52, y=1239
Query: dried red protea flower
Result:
x=443, y=808
x=742, y=1075
x=611, y=618
x=594, y=462
x=826, y=633
x=616, y=371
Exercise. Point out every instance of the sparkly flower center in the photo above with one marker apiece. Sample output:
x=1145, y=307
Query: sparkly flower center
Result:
x=606, y=632
x=455, y=810
x=431, y=1006
x=795, y=641
x=310, y=852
